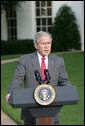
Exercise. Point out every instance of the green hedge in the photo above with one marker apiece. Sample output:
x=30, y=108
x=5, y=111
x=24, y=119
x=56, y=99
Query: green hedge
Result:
x=65, y=30
x=20, y=47
x=17, y=47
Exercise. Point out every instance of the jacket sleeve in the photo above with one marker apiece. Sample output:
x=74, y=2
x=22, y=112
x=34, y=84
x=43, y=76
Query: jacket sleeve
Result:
x=19, y=75
x=63, y=77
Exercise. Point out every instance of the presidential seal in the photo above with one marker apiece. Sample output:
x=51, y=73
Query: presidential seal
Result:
x=44, y=94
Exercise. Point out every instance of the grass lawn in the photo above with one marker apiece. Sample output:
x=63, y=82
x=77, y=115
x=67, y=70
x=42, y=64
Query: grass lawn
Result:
x=70, y=114
x=4, y=57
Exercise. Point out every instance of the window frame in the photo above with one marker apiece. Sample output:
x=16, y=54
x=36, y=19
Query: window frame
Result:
x=11, y=17
x=41, y=17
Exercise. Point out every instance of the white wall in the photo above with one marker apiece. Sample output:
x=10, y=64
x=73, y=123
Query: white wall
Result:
x=3, y=26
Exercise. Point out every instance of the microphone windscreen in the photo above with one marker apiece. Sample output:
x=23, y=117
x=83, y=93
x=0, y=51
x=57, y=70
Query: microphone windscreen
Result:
x=36, y=72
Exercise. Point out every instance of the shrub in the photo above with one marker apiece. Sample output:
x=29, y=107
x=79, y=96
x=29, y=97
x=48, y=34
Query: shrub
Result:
x=65, y=32
x=17, y=47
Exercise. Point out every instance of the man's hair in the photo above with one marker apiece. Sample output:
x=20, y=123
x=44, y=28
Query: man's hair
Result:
x=39, y=34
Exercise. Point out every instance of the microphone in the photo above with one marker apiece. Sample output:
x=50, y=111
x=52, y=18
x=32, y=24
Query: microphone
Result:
x=38, y=77
x=47, y=76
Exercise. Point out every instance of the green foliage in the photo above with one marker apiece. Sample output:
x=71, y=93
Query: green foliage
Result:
x=65, y=30
x=5, y=57
x=9, y=5
x=17, y=47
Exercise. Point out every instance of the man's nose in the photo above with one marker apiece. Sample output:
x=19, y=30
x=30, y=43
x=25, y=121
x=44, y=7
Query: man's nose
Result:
x=46, y=45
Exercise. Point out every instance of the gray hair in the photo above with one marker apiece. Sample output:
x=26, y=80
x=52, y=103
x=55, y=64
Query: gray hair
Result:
x=39, y=34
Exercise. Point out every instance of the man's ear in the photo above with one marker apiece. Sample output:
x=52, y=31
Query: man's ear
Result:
x=35, y=45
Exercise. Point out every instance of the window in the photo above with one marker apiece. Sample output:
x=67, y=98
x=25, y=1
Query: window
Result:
x=11, y=24
x=43, y=15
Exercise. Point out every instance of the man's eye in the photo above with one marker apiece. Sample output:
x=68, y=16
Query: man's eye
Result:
x=48, y=42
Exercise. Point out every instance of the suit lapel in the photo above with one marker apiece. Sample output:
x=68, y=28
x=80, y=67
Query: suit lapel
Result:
x=35, y=62
x=51, y=64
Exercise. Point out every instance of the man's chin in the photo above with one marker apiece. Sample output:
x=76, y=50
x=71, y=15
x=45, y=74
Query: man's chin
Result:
x=46, y=54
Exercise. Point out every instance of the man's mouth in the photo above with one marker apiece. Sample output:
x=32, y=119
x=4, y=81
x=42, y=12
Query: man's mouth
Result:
x=46, y=50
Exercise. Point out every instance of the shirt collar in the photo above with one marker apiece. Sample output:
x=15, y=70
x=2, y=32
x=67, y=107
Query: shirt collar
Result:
x=40, y=57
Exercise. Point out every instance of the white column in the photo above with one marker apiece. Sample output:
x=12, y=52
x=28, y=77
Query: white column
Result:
x=24, y=21
x=3, y=26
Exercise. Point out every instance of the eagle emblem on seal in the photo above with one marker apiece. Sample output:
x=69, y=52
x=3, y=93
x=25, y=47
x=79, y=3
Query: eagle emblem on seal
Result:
x=44, y=94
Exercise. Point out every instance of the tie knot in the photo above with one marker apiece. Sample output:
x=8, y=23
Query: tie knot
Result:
x=43, y=59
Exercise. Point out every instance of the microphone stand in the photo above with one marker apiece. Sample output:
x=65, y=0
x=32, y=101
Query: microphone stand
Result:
x=47, y=76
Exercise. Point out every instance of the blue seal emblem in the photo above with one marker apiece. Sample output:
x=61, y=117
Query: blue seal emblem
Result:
x=44, y=94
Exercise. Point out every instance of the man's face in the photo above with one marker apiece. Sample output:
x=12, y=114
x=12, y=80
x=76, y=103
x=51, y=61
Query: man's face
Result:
x=44, y=45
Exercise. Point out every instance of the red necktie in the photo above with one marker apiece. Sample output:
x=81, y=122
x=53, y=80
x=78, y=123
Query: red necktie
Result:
x=43, y=67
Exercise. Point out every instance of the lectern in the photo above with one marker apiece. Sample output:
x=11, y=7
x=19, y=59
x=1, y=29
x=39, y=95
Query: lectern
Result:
x=65, y=95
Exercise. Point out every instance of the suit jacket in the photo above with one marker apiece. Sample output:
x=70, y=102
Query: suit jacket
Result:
x=25, y=72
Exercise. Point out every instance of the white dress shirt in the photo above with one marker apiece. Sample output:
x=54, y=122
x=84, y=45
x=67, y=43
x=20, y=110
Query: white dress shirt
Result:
x=40, y=60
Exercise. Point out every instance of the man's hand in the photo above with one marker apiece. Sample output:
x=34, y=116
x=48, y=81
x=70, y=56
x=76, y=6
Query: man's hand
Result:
x=7, y=98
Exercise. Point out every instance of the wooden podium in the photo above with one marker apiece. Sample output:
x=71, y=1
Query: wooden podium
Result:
x=44, y=121
x=44, y=115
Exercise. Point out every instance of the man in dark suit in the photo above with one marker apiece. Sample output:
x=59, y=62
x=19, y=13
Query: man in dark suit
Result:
x=30, y=62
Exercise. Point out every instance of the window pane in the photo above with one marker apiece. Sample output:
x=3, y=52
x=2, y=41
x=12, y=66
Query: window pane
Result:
x=38, y=29
x=37, y=12
x=11, y=14
x=49, y=12
x=49, y=3
x=43, y=21
x=43, y=12
x=9, y=32
x=38, y=22
x=49, y=29
x=49, y=21
x=14, y=14
x=7, y=13
x=43, y=28
x=37, y=3
x=43, y=3
x=11, y=24
x=12, y=32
